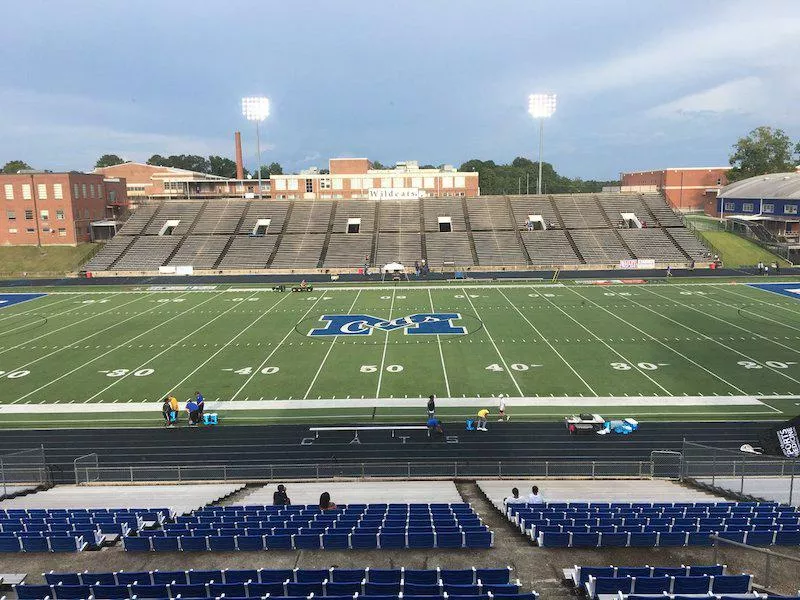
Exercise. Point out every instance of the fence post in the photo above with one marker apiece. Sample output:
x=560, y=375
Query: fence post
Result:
x=500, y=470
x=3, y=472
x=546, y=469
x=131, y=470
x=593, y=471
x=714, y=469
x=741, y=488
x=317, y=469
x=791, y=483
x=225, y=472
x=362, y=471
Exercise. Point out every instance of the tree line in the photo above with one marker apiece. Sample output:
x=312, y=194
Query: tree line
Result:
x=211, y=165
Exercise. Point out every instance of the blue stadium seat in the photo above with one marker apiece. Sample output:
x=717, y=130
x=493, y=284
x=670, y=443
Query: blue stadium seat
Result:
x=162, y=577
x=241, y=575
x=310, y=575
x=501, y=589
x=760, y=538
x=305, y=589
x=307, y=541
x=422, y=589
x=392, y=540
x=734, y=536
x=204, y=576
x=615, y=540
x=420, y=576
x=462, y=589
x=335, y=541
x=249, y=542
x=192, y=543
x=449, y=540
x=131, y=577
x=643, y=539
x=348, y=575
x=673, y=538
x=731, y=584
x=33, y=592
x=458, y=576
x=110, y=592
x=165, y=544
x=698, y=538
x=347, y=588
x=668, y=571
x=276, y=576
x=382, y=589
x=493, y=575
x=584, y=540
x=223, y=543
x=478, y=539
x=262, y=589
x=35, y=544
x=53, y=578
x=278, y=542
x=651, y=585
x=608, y=585
x=384, y=575
x=691, y=585
x=149, y=591
x=787, y=538
x=697, y=570
x=421, y=540
x=553, y=540
x=71, y=592
x=188, y=590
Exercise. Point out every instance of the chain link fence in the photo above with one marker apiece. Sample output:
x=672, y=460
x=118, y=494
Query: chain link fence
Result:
x=23, y=471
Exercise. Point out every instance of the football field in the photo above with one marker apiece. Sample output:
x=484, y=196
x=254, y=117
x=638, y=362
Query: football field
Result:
x=688, y=350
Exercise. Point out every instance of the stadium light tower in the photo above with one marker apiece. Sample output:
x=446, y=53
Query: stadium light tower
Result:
x=256, y=108
x=541, y=106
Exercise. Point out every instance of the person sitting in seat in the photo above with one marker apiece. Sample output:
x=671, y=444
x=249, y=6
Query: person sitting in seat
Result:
x=303, y=284
x=514, y=497
x=279, y=497
x=535, y=497
x=325, y=502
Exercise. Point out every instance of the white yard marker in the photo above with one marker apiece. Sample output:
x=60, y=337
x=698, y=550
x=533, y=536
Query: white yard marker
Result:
x=441, y=354
x=385, y=346
x=633, y=364
x=325, y=358
x=279, y=344
x=546, y=341
x=496, y=349
x=60, y=377
x=725, y=381
x=39, y=308
x=233, y=339
x=708, y=337
x=759, y=291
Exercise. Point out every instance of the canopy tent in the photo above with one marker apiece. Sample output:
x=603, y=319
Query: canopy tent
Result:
x=393, y=268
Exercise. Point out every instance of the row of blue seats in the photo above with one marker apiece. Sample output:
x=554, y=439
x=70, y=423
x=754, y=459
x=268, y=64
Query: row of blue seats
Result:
x=660, y=522
x=182, y=528
x=684, y=584
x=579, y=575
x=535, y=530
x=306, y=531
x=436, y=506
x=443, y=596
x=335, y=574
x=62, y=528
x=653, y=539
x=750, y=596
x=514, y=509
x=594, y=505
x=105, y=518
x=327, y=518
x=258, y=590
x=148, y=514
x=60, y=543
x=325, y=541
x=713, y=511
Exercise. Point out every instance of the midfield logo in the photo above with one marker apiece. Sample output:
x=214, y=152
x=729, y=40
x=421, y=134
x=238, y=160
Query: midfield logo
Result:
x=419, y=324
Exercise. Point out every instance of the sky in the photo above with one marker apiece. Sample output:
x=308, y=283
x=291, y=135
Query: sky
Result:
x=640, y=85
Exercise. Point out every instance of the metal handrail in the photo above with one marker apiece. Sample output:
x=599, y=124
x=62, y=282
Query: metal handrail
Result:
x=769, y=554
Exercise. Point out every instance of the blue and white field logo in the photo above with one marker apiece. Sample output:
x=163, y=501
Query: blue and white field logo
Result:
x=418, y=324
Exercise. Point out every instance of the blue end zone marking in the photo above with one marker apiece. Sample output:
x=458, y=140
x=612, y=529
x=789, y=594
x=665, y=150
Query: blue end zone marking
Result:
x=417, y=324
x=785, y=289
x=10, y=299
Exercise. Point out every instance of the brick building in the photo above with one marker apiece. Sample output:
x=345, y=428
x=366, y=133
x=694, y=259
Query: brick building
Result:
x=57, y=208
x=686, y=189
x=352, y=178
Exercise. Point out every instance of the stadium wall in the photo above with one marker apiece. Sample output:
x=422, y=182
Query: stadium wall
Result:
x=686, y=189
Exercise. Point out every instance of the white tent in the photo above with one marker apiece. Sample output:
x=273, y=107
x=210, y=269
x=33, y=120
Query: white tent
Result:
x=393, y=268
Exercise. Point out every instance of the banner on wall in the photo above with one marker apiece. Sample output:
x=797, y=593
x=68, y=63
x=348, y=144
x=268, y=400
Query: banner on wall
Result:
x=643, y=263
x=395, y=193
x=782, y=439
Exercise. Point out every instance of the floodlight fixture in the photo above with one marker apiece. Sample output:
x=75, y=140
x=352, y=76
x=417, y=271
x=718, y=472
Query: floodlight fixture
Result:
x=256, y=108
x=541, y=106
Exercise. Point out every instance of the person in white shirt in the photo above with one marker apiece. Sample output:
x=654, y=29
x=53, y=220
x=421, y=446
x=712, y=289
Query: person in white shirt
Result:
x=503, y=415
x=514, y=497
x=535, y=497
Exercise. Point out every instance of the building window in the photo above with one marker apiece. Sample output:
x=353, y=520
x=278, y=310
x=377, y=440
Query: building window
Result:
x=338, y=183
x=366, y=184
x=12, y=230
x=59, y=215
x=11, y=215
x=324, y=183
x=44, y=215
x=91, y=190
x=447, y=182
x=429, y=183
x=74, y=190
x=309, y=186
x=62, y=232
x=768, y=208
x=41, y=189
x=790, y=209
x=730, y=206
x=30, y=230
x=460, y=181
x=293, y=183
x=747, y=207
x=58, y=191
x=416, y=182
x=280, y=184
x=9, y=191
x=28, y=214
x=85, y=213
x=112, y=196
x=26, y=191
x=355, y=183
x=398, y=182
x=83, y=190
x=386, y=182
x=99, y=190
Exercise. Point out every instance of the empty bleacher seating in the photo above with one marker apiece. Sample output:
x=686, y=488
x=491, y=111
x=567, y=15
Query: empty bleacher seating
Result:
x=110, y=252
x=183, y=212
x=220, y=217
x=401, y=247
x=249, y=252
x=137, y=221
x=579, y=211
x=525, y=206
x=651, y=243
x=200, y=251
x=600, y=246
x=448, y=248
x=261, y=210
x=665, y=216
x=349, y=250
x=549, y=247
x=498, y=248
x=438, y=209
x=147, y=253
x=310, y=216
x=489, y=213
x=299, y=251
x=348, y=210
x=399, y=216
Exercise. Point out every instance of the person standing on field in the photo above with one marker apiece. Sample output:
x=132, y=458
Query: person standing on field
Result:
x=503, y=415
x=431, y=406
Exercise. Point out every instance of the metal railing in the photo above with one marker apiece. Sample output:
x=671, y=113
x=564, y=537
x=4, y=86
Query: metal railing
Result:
x=88, y=471
x=22, y=471
x=786, y=585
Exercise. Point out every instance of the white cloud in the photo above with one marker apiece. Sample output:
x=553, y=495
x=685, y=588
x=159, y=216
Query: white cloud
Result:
x=747, y=95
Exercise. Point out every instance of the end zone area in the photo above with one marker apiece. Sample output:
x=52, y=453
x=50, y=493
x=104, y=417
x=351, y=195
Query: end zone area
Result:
x=656, y=351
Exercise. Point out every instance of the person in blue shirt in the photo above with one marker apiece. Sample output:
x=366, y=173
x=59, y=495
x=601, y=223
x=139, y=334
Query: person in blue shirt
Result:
x=192, y=409
x=201, y=405
x=435, y=424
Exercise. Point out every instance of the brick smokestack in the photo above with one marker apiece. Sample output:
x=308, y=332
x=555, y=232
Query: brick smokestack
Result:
x=239, y=165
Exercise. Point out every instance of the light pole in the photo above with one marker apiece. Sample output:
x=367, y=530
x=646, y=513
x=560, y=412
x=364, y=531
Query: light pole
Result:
x=541, y=106
x=256, y=108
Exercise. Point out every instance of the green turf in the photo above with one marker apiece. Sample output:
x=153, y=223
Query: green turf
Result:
x=736, y=251
x=119, y=346
x=45, y=261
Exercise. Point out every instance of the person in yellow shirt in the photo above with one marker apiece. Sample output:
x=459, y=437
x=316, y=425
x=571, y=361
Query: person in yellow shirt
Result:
x=173, y=404
x=483, y=416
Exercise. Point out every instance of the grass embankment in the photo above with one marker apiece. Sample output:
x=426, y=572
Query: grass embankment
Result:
x=44, y=261
x=736, y=251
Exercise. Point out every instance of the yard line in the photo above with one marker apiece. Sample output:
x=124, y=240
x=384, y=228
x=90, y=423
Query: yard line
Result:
x=708, y=337
x=546, y=341
x=91, y=335
x=385, y=347
x=24, y=325
x=781, y=323
x=702, y=312
x=233, y=339
x=60, y=377
x=39, y=308
x=616, y=316
x=279, y=344
x=325, y=358
x=441, y=354
x=52, y=331
x=496, y=349
x=760, y=291
x=167, y=349
x=595, y=336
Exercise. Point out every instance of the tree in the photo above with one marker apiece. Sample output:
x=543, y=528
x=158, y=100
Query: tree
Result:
x=224, y=167
x=108, y=160
x=764, y=150
x=190, y=162
x=157, y=161
x=376, y=164
x=267, y=170
x=13, y=166
x=275, y=169
x=427, y=167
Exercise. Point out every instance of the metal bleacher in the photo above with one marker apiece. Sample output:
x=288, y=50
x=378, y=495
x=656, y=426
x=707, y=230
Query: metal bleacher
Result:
x=482, y=232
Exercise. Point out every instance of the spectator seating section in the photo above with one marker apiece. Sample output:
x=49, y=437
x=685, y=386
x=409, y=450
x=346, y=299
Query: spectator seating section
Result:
x=644, y=524
x=362, y=526
x=386, y=584
x=208, y=232
x=70, y=530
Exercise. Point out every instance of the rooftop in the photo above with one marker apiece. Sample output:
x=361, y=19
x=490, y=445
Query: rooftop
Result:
x=775, y=186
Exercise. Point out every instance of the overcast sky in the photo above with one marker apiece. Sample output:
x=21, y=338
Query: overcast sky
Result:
x=640, y=85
